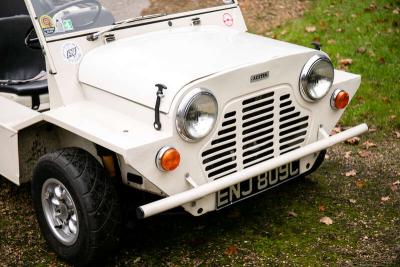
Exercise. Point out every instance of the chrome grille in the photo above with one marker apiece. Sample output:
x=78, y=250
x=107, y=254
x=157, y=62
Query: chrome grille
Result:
x=255, y=129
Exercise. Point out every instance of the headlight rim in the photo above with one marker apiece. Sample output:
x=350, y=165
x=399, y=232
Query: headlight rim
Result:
x=184, y=106
x=308, y=67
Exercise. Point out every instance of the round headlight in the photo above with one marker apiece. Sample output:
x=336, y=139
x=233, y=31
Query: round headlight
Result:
x=197, y=115
x=316, y=78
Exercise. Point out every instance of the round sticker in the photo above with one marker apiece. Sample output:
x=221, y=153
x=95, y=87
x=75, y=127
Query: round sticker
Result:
x=72, y=53
x=228, y=19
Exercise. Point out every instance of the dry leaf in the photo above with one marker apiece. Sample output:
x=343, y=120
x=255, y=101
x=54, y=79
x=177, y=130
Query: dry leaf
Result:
x=292, y=214
x=385, y=199
x=346, y=61
x=322, y=208
x=368, y=144
x=326, y=220
x=353, y=201
x=392, y=117
x=361, y=50
x=347, y=155
x=232, y=250
x=336, y=130
x=372, y=129
x=353, y=141
x=360, y=183
x=311, y=29
x=381, y=60
x=397, y=134
x=339, y=30
x=351, y=173
x=394, y=187
x=331, y=42
x=396, y=183
x=364, y=154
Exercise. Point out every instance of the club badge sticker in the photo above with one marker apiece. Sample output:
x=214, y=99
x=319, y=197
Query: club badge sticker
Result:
x=72, y=53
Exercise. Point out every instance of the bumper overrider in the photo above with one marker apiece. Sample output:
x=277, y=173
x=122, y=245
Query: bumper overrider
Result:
x=324, y=141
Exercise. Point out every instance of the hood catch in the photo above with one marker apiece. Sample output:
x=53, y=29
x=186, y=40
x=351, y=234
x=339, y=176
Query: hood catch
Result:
x=160, y=95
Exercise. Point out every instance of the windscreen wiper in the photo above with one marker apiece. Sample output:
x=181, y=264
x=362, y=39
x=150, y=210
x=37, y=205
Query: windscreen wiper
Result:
x=96, y=35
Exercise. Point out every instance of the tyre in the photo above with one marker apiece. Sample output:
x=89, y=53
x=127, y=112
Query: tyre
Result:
x=76, y=206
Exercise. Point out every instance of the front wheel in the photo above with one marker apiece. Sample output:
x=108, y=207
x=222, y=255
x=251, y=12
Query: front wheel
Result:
x=76, y=205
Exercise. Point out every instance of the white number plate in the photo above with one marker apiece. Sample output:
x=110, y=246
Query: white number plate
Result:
x=257, y=184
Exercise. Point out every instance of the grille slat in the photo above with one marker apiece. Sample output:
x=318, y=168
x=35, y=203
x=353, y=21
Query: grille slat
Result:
x=255, y=130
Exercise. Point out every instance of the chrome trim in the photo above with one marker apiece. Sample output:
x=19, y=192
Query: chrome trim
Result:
x=183, y=108
x=159, y=156
x=306, y=71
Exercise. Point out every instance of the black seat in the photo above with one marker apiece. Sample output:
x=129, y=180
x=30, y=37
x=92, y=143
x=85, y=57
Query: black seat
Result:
x=19, y=63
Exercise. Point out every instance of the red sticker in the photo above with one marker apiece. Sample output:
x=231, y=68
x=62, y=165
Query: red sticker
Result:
x=228, y=19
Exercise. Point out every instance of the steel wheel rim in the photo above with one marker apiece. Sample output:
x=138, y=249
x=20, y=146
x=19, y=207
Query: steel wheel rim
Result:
x=60, y=212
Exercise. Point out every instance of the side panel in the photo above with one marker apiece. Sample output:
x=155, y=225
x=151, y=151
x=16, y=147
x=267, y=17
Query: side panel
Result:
x=13, y=118
x=9, y=163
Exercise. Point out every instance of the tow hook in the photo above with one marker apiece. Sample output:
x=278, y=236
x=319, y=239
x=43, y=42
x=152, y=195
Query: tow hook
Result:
x=160, y=95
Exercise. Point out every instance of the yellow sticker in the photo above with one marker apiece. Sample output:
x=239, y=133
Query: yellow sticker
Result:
x=47, y=24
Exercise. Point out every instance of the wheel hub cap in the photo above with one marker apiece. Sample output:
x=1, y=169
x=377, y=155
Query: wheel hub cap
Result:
x=60, y=212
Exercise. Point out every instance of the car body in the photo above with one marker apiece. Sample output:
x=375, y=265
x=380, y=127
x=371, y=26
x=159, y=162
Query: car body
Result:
x=122, y=92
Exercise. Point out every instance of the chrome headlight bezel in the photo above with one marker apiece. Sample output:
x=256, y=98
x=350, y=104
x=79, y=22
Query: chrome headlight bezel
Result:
x=185, y=105
x=308, y=68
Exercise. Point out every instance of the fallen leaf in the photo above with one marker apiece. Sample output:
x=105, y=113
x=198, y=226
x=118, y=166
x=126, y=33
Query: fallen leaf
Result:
x=364, y=153
x=372, y=7
x=392, y=117
x=381, y=60
x=353, y=141
x=360, y=184
x=397, y=182
x=292, y=214
x=311, y=29
x=322, y=208
x=372, y=129
x=326, y=220
x=336, y=130
x=331, y=42
x=351, y=173
x=347, y=155
x=361, y=50
x=353, y=201
x=339, y=30
x=232, y=250
x=396, y=11
x=385, y=199
x=369, y=144
x=394, y=187
x=327, y=157
x=397, y=134
x=346, y=61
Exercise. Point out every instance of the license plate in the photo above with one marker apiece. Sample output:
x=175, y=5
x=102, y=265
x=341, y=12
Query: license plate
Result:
x=257, y=184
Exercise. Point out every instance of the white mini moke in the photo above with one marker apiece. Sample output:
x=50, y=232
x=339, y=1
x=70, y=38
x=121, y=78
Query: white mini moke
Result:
x=183, y=104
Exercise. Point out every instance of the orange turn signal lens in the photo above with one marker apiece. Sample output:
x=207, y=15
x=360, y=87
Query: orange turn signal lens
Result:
x=340, y=99
x=168, y=159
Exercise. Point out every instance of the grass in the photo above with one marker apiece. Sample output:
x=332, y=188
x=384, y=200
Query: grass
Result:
x=368, y=33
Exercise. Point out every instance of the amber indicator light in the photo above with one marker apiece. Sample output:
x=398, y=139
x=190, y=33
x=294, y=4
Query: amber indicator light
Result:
x=170, y=159
x=341, y=99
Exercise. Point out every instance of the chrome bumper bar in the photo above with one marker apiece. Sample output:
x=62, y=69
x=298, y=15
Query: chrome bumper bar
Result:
x=194, y=194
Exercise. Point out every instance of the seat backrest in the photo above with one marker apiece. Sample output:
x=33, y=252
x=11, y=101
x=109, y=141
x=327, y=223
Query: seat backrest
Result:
x=9, y=8
x=18, y=62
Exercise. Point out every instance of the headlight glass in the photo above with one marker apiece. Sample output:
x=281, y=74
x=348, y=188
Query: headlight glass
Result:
x=197, y=115
x=316, y=78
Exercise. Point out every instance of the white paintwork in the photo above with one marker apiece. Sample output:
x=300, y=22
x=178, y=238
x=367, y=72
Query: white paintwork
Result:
x=131, y=67
x=13, y=118
x=194, y=194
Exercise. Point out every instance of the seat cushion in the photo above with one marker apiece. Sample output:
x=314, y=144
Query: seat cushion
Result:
x=26, y=89
x=18, y=62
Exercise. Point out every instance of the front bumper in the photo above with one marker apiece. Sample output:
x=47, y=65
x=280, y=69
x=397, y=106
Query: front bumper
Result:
x=198, y=192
